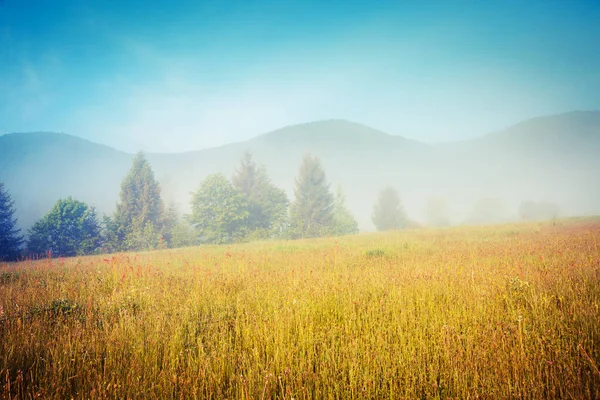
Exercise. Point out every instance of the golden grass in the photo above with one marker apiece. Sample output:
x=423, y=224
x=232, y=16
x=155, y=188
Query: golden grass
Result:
x=494, y=312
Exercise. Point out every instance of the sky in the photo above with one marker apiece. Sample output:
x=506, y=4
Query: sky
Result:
x=163, y=76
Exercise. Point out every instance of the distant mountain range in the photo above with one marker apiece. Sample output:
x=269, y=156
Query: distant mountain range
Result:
x=554, y=158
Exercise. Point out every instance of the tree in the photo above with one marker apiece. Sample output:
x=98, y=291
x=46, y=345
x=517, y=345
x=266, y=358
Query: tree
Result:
x=245, y=177
x=267, y=204
x=219, y=211
x=182, y=235
x=169, y=220
x=344, y=222
x=138, y=220
x=113, y=235
x=177, y=232
x=311, y=213
x=70, y=228
x=388, y=213
x=10, y=240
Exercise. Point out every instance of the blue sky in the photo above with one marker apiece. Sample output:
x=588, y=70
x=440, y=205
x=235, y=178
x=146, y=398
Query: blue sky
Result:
x=156, y=76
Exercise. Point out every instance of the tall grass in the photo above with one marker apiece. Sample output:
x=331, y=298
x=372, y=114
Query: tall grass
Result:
x=496, y=312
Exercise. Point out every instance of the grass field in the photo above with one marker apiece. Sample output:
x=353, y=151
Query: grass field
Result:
x=483, y=312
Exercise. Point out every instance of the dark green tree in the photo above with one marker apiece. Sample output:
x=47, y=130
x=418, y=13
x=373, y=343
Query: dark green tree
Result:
x=311, y=214
x=219, y=211
x=10, y=239
x=267, y=204
x=113, y=235
x=388, y=213
x=70, y=228
x=138, y=221
x=344, y=222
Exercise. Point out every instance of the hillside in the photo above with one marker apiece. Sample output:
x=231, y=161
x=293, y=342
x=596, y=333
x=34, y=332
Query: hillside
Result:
x=550, y=158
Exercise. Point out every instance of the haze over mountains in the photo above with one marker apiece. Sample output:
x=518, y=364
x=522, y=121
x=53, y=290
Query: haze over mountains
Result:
x=553, y=158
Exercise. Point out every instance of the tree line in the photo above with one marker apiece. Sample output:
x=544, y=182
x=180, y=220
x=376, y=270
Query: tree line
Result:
x=246, y=207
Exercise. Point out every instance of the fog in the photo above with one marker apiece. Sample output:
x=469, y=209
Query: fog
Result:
x=467, y=113
x=540, y=169
x=546, y=160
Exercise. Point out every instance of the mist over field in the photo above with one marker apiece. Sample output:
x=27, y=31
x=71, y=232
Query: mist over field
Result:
x=485, y=180
x=473, y=116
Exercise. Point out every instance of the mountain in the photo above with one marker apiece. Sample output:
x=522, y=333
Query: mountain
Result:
x=551, y=158
x=39, y=168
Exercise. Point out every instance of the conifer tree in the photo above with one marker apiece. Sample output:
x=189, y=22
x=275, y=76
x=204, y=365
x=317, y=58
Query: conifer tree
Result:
x=10, y=240
x=267, y=204
x=138, y=221
x=344, y=222
x=311, y=214
x=246, y=176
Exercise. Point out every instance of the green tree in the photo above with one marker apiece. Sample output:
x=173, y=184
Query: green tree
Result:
x=138, y=221
x=388, y=213
x=113, y=235
x=10, y=240
x=267, y=204
x=169, y=220
x=344, y=222
x=311, y=214
x=70, y=228
x=182, y=235
x=177, y=231
x=219, y=211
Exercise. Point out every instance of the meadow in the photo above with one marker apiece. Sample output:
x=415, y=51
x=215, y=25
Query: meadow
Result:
x=498, y=312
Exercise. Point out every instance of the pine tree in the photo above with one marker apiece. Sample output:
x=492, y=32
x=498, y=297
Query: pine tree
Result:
x=245, y=177
x=138, y=221
x=344, y=222
x=10, y=240
x=311, y=214
x=70, y=228
x=170, y=220
x=267, y=204
x=388, y=212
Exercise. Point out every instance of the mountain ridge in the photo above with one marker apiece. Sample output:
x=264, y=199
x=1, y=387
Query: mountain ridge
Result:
x=39, y=167
x=593, y=115
x=274, y=134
